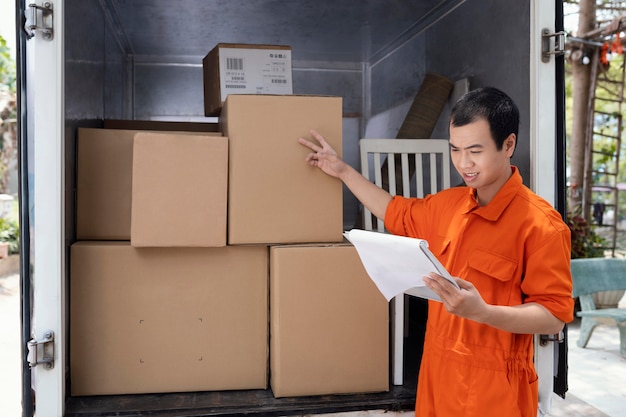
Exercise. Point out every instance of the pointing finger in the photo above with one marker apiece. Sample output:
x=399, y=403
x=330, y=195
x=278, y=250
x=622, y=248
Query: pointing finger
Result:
x=319, y=138
x=309, y=144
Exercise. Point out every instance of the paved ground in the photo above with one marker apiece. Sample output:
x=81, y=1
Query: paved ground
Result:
x=10, y=368
x=597, y=374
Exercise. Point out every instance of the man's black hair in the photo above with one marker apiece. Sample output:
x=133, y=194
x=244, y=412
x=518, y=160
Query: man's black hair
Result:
x=493, y=105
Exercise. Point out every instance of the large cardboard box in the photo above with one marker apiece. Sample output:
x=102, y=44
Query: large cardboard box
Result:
x=232, y=68
x=329, y=326
x=179, y=190
x=104, y=182
x=274, y=196
x=149, y=320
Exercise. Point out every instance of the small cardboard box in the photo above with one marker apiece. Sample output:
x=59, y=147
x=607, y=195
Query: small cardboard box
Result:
x=274, y=196
x=179, y=190
x=329, y=324
x=245, y=69
x=150, y=320
x=104, y=182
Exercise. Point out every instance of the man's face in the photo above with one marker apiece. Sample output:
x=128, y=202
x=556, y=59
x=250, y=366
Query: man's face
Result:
x=476, y=158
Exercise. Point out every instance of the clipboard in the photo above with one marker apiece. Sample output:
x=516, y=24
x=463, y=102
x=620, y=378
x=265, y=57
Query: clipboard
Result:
x=397, y=264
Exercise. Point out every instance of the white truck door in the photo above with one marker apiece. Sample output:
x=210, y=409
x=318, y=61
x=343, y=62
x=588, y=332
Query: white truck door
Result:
x=42, y=64
x=543, y=152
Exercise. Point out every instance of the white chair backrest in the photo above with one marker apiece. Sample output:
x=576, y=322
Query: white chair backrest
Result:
x=429, y=177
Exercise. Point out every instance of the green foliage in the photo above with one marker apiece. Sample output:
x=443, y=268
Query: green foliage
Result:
x=10, y=233
x=8, y=115
x=585, y=242
x=7, y=67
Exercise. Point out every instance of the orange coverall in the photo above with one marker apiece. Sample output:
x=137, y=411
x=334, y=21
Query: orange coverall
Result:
x=515, y=250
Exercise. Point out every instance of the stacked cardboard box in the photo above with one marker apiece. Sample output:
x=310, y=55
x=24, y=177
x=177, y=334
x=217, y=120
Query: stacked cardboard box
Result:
x=104, y=184
x=329, y=324
x=167, y=319
x=273, y=196
x=171, y=275
x=104, y=178
x=179, y=190
x=232, y=68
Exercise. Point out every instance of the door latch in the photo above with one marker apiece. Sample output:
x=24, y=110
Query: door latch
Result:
x=545, y=338
x=559, y=44
x=41, y=352
x=39, y=18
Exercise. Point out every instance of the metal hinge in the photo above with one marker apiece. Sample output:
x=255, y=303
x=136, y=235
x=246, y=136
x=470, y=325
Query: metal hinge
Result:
x=545, y=338
x=41, y=352
x=39, y=18
x=559, y=44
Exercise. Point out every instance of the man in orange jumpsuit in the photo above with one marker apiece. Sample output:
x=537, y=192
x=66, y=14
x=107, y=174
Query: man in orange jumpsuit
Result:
x=508, y=249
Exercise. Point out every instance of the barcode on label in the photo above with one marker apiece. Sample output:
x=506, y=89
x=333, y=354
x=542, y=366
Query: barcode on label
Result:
x=275, y=81
x=234, y=86
x=234, y=64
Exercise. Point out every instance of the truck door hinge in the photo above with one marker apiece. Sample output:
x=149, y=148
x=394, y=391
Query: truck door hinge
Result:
x=39, y=18
x=41, y=352
x=559, y=44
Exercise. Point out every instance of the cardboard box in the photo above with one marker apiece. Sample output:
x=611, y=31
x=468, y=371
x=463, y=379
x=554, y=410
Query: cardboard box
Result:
x=274, y=196
x=149, y=320
x=179, y=190
x=245, y=69
x=104, y=183
x=329, y=325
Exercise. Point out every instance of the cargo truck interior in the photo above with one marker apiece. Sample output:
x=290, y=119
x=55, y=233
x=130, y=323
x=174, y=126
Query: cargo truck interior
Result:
x=142, y=60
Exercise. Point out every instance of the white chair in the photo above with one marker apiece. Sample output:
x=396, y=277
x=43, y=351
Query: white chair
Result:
x=430, y=160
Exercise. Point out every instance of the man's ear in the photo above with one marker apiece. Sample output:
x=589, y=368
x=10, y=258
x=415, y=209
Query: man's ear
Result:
x=509, y=144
